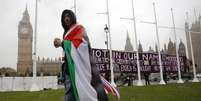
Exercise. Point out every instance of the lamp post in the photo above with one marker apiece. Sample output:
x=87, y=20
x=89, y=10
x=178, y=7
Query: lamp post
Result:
x=110, y=43
x=106, y=29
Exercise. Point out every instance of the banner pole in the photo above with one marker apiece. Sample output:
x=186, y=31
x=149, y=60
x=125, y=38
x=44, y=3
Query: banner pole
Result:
x=195, y=79
x=158, y=43
x=177, y=55
x=139, y=82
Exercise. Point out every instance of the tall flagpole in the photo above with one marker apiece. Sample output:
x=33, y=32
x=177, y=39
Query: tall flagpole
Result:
x=139, y=82
x=35, y=40
x=177, y=55
x=34, y=86
x=195, y=14
x=158, y=42
x=75, y=7
x=110, y=48
x=195, y=79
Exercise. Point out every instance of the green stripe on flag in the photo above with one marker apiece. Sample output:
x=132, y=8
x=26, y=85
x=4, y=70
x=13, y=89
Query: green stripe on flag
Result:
x=71, y=67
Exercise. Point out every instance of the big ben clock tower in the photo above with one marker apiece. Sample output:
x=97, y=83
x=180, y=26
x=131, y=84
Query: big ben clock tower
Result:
x=25, y=34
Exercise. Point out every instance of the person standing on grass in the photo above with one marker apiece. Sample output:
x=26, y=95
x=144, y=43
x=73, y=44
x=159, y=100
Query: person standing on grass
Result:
x=165, y=77
x=146, y=77
x=82, y=80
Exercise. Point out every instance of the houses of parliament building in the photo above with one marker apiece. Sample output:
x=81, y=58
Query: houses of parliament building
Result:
x=195, y=32
x=52, y=66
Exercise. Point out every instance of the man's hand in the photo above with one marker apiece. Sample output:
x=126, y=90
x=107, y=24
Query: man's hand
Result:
x=57, y=42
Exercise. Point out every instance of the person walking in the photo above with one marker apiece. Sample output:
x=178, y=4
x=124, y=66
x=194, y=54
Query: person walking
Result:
x=82, y=80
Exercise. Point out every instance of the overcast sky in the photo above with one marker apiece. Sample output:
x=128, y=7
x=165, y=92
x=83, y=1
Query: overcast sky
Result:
x=49, y=25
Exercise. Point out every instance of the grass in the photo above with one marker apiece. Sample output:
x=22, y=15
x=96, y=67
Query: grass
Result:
x=170, y=92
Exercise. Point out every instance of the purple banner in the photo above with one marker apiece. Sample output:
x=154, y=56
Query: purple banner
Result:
x=126, y=62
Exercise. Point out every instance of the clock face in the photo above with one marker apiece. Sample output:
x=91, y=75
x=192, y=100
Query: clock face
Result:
x=24, y=31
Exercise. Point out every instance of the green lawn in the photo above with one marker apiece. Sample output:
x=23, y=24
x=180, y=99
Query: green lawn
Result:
x=170, y=92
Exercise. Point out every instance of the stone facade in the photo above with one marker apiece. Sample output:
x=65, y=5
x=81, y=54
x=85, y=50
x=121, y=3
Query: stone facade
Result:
x=49, y=66
x=171, y=48
x=24, y=58
x=182, y=49
x=195, y=32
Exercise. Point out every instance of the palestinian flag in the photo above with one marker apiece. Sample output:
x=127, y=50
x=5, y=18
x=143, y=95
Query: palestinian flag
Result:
x=78, y=60
x=109, y=88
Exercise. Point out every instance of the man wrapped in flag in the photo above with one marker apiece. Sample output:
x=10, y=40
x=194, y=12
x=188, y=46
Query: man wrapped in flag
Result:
x=82, y=80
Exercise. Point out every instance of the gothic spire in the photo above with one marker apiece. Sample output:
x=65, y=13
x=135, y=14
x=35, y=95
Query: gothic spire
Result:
x=128, y=46
x=140, y=49
x=25, y=18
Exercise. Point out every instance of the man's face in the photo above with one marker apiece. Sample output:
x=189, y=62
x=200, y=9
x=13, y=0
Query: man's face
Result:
x=67, y=20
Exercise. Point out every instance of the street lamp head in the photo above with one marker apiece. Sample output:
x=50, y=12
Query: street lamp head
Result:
x=106, y=43
x=106, y=29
